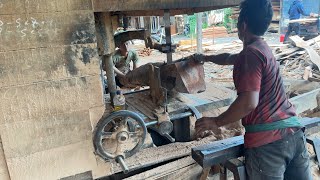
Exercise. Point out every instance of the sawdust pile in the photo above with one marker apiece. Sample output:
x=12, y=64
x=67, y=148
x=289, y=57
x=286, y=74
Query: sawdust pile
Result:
x=145, y=52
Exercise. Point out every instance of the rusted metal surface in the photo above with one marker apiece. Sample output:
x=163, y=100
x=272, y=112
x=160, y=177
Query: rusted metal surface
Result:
x=138, y=5
x=184, y=76
x=141, y=34
x=158, y=94
x=191, y=77
x=144, y=35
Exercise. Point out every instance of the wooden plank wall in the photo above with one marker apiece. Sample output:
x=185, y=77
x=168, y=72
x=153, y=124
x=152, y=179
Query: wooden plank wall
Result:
x=50, y=88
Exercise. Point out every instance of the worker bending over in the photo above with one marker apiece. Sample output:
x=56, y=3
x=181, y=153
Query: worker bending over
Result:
x=121, y=60
x=275, y=143
x=295, y=11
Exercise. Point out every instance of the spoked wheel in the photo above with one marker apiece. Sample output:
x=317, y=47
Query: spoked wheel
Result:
x=119, y=136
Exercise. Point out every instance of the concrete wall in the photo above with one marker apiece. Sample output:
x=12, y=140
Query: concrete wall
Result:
x=50, y=89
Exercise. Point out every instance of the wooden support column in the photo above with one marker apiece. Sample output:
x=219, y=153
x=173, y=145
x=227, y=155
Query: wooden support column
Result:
x=106, y=47
x=168, y=34
x=199, y=33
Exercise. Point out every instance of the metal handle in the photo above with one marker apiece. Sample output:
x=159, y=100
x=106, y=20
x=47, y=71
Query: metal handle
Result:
x=123, y=165
x=170, y=138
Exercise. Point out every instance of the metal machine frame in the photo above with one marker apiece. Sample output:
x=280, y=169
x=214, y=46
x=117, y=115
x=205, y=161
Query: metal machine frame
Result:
x=107, y=13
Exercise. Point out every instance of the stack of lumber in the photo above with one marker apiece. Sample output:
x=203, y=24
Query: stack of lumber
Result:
x=275, y=6
x=293, y=59
x=190, y=44
x=227, y=47
x=145, y=52
x=235, y=13
x=276, y=10
x=215, y=32
x=300, y=61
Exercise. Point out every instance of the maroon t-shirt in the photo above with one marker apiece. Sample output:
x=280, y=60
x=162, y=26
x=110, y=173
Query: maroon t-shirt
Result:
x=256, y=69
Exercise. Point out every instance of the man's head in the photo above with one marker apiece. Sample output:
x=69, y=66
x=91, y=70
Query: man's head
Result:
x=255, y=17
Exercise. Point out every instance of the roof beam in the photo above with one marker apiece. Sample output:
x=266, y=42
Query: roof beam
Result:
x=149, y=5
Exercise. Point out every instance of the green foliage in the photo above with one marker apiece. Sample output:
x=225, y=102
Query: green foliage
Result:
x=205, y=25
x=227, y=23
x=193, y=24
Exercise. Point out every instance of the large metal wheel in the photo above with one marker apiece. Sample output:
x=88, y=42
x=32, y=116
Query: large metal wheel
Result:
x=121, y=134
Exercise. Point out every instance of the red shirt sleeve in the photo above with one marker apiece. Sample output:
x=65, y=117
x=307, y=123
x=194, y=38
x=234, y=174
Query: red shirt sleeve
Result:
x=248, y=72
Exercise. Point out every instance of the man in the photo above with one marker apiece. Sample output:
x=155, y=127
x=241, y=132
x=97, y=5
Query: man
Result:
x=274, y=139
x=122, y=59
x=295, y=11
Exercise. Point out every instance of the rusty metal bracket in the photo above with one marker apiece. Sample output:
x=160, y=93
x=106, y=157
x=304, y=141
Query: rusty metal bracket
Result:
x=158, y=93
x=185, y=76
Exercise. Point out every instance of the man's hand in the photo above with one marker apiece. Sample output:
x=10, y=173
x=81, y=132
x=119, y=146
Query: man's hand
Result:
x=206, y=125
x=199, y=58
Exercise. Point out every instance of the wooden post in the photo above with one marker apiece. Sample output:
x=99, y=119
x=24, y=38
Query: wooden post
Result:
x=199, y=33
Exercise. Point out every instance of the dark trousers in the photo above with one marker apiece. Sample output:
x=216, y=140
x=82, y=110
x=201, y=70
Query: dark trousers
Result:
x=287, y=159
x=293, y=27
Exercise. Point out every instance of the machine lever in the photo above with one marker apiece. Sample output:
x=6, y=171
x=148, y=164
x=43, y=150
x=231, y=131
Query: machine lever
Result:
x=196, y=112
x=169, y=137
x=123, y=165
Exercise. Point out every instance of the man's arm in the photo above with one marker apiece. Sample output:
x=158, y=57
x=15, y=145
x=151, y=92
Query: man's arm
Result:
x=222, y=59
x=118, y=72
x=248, y=84
x=302, y=11
x=135, y=59
x=244, y=104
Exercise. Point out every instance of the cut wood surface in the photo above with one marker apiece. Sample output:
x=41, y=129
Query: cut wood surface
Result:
x=303, y=20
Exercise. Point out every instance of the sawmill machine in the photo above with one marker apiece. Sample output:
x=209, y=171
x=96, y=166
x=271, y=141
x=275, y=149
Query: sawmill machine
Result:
x=164, y=108
x=175, y=93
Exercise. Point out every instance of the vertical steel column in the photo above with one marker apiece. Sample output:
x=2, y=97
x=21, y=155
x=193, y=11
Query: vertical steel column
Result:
x=168, y=34
x=199, y=33
x=110, y=75
x=106, y=46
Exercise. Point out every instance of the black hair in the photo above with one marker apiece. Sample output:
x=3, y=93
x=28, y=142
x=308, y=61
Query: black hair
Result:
x=257, y=14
